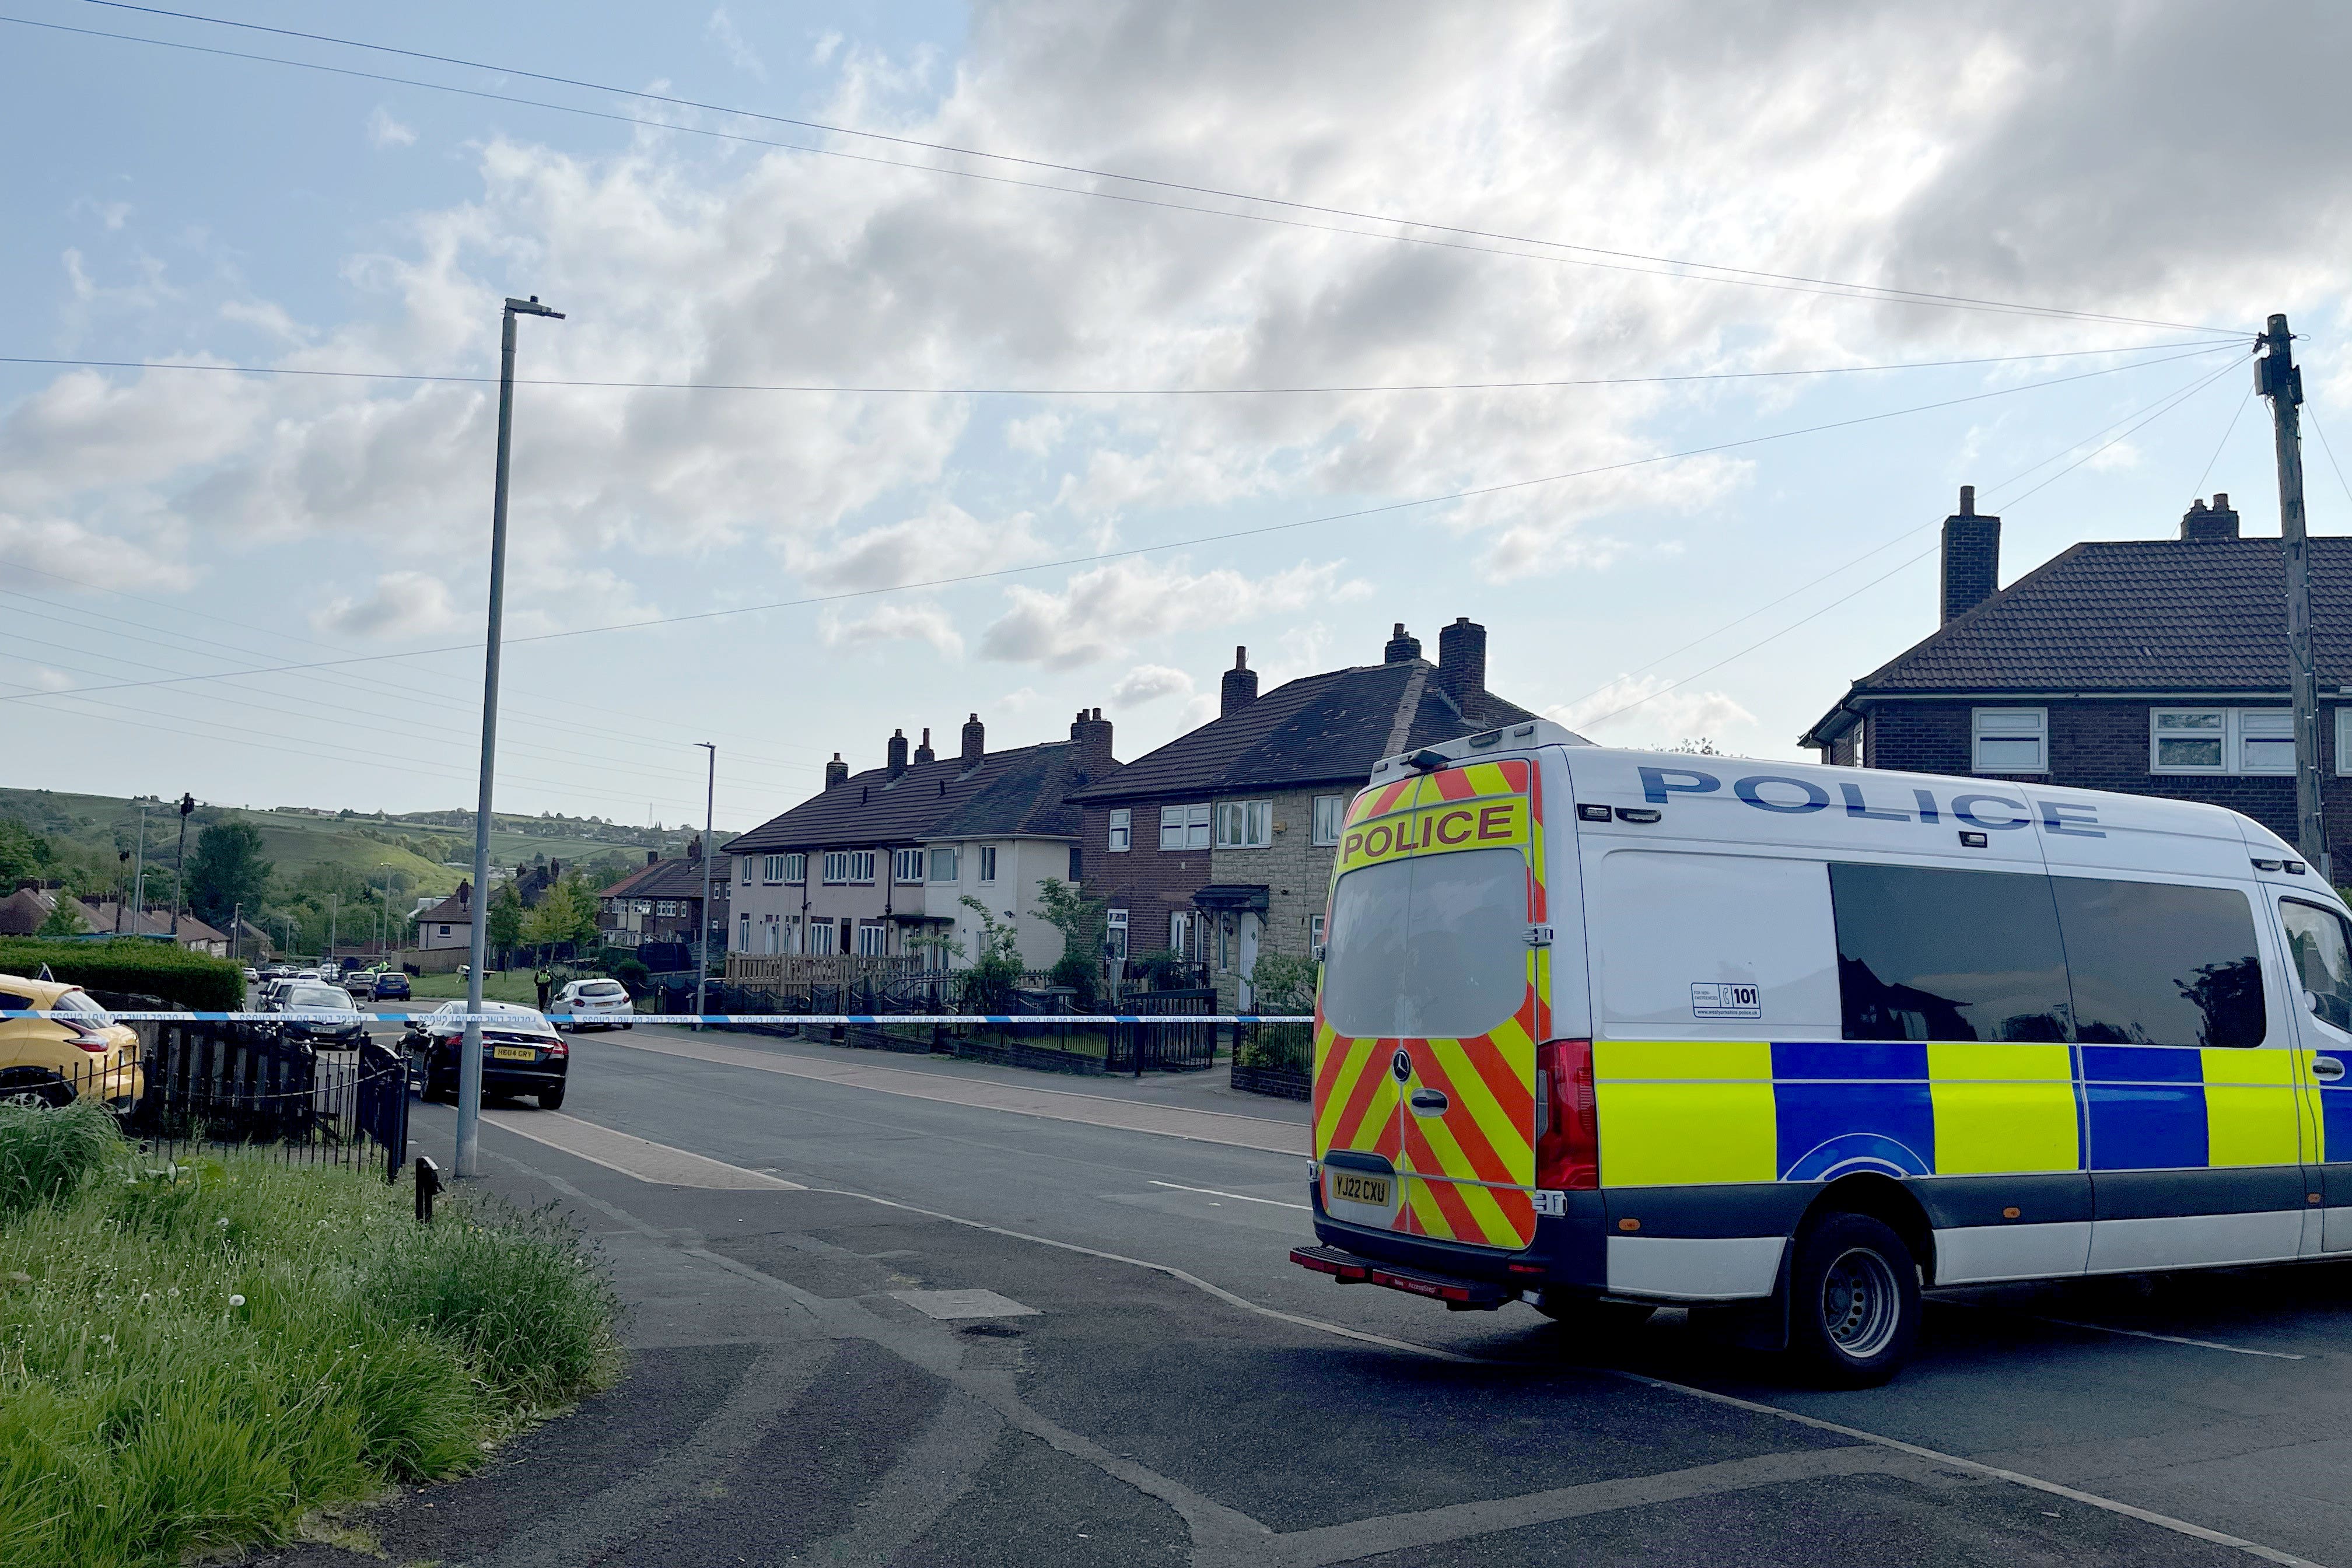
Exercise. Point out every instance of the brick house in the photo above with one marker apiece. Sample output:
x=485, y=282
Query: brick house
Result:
x=2154, y=667
x=661, y=902
x=1220, y=844
x=878, y=863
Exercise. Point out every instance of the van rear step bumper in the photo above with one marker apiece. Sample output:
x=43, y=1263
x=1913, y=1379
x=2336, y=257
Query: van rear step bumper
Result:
x=1458, y=1294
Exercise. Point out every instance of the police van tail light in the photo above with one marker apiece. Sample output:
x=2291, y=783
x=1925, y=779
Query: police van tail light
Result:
x=1567, y=1118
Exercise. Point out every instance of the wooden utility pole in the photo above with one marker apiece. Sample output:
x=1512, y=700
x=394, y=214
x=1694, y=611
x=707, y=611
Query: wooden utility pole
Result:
x=2276, y=378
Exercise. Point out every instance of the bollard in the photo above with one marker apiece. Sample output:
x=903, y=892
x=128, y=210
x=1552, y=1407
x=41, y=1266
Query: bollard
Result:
x=428, y=1183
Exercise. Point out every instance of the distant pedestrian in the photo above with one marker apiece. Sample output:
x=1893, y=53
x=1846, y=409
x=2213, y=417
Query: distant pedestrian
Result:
x=546, y=984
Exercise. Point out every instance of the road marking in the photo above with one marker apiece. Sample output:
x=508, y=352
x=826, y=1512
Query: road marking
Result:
x=633, y=1156
x=2111, y=1329
x=1432, y=1353
x=1244, y=1197
x=1020, y=1100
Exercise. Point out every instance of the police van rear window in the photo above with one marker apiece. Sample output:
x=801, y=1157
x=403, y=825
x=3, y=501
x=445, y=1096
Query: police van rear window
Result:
x=1931, y=954
x=1433, y=947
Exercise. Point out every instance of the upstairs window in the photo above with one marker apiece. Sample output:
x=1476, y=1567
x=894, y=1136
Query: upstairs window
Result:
x=1246, y=824
x=1329, y=810
x=745, y=861
x=988, y=862
x=2010, y=740
x=771, y=869
x=943, y=863
x=1122, y=828
x=907, y=866
x=2222, y=739
x=849, y=866
x=1184, y=827
x=795, y=867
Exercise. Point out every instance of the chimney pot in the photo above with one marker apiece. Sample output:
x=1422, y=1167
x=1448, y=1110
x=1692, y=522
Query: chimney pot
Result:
x=1971, y=564
x=1090, y=735
x=2202, y=524
x=836, y=772
x=1239, y=688
x=1462, y=665
x=923, y=754
x=1402, y=648
x=976, y=740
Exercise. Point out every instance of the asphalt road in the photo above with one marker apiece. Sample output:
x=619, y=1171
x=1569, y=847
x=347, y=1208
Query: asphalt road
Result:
x=787, y=1403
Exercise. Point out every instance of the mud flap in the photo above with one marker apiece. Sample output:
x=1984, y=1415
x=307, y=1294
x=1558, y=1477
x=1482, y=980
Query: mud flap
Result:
x=1759, y=1325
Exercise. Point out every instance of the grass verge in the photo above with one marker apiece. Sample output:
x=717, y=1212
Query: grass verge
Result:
x=193, y=1357
x=497, y=985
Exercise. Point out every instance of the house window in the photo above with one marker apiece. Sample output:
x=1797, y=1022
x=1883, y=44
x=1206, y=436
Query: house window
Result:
x=2343, y=736
x=1115, y=932
x=873, y=940
x=795, y=867
x=1184, y=827
x=943, y=863
x=1329, y=811
x=1246, y=824
x=771, y=869
x=907, y=865
x=1180, y=932
x=1313, y=934
x=2223, y=740
x=1077, y=864
x=988, y=863
x=1122, y=829
x=820, y=935
x=849, y=866
x=444, y=931
x=1862, y=743
x=645, y=906
x=2011, y=740
x=743, y=929
x=668, y=907
x=744, y=862
x=772, y=937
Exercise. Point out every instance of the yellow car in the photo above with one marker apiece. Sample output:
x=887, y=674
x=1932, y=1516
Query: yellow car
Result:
x=53, y=1062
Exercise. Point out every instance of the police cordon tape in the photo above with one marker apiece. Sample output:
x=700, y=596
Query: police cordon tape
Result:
x=331, y=1015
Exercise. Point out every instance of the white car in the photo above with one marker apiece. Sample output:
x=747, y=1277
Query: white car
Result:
x=600, y=1003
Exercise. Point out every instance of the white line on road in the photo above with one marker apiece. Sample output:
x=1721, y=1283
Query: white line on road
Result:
x=2111, y=1329
x=1213, y=1193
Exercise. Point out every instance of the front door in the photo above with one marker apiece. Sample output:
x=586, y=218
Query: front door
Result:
x=1432, y=1005
x=1248, y=959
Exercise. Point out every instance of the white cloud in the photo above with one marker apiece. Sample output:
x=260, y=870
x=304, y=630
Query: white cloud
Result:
x=722, y=31
x=1149, y=683
x=383, y=131
x=893, y=622
x=1109, y=607
x=943, y=540
x=1639, y=710
x=141, y=555
x=49, y=679
x=401, y=605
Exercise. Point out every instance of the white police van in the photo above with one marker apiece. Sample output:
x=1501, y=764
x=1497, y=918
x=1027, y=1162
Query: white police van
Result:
x=1604, y=1029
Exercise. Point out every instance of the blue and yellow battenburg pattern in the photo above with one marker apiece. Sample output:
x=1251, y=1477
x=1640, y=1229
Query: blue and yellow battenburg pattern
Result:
x=1681, y=1112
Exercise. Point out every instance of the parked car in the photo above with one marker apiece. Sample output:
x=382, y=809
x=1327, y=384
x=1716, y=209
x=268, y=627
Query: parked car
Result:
x=273, y=992
x=319, y=1015
x=595, y=1003
x=522, y=1054
x=53, y=1062
x=392, y=982
x=359, y=982
x=252, y=975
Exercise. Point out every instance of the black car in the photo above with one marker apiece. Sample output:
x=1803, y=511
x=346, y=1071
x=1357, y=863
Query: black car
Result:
x=320, y=1014
x=522, y=1054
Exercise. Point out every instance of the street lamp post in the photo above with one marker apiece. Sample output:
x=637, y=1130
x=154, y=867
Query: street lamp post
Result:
x=709, y=801
x=469, y=1057
x=179, y=863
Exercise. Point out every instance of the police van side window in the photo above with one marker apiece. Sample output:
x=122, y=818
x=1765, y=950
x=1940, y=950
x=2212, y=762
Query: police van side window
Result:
x=1927, y=954
x=2154, y=964
x=2322, y=949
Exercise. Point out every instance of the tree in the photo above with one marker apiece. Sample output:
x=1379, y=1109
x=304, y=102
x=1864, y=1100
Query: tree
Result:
x=566, y=912
x=63, y=919
x=226, y=871
x=996, y=966
x=505, y=933
x=1082, y=920
x=23, y=852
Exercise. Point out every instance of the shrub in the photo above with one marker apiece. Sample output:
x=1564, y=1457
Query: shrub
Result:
x=185, y=979
x=48, y=1155
x=1279, y=984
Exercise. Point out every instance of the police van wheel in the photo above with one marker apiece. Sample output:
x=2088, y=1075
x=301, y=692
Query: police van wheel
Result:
x=1584, y=1315
x=1853, y=1301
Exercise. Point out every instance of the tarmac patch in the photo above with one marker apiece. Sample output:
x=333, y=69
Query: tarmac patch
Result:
x=947, y=1305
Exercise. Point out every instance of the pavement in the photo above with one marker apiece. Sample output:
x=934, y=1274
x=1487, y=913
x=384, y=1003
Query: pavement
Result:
x=885, y=1310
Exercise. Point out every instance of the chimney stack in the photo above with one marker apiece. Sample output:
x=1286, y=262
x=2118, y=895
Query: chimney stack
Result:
x=897, y=763
x=2206, y=525
x=652, y=856
x=1240, y=686
x=1971, y=572
x=923, y=754
x=976, y=740
x=1090, y=733
x=1401, y=649
x=694, y=848
x=836, y=772
x=1462, y=665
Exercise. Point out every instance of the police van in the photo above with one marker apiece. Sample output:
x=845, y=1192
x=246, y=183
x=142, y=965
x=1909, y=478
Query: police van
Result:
x=1604, y=1030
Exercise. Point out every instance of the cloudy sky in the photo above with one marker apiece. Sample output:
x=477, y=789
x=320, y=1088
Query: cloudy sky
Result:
x=1251, y=394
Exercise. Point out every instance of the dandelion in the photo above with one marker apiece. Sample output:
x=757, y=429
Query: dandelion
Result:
x=222, y=1221
x=236, y=1300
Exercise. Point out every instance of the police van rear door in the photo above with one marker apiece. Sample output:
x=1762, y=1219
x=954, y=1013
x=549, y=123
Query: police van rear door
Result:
x=1432, y=1001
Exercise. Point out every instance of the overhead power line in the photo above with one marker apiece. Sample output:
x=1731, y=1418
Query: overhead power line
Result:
x=1101, y=556
x=837, y=389
x=1468, y=238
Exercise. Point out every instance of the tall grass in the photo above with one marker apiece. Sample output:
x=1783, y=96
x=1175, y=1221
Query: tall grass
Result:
x=194, y=1356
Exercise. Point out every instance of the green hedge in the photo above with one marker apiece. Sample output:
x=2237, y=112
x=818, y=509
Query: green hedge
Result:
x=143, y=967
